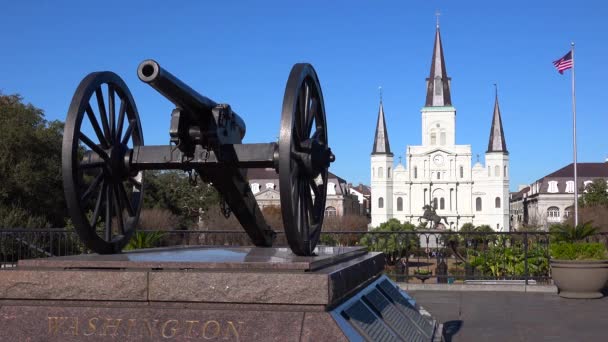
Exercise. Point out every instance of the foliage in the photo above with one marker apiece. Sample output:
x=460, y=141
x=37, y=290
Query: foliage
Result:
x=157, y=219
x=500, y=260
x=30, y=163
x=171, y=190
x=579, y=251
x=394, y=246
x=569, y=233
x=145, y=239
x=596, y=194
x=13, y=216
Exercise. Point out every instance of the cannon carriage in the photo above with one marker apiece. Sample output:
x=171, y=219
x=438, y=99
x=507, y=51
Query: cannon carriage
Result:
x=104, y=157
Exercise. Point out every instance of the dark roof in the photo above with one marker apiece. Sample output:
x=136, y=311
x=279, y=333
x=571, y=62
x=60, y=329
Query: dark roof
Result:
x=438, y=77
x=381, y=144
x=582, y=170
x=497, y=141
x=364, y=189
x=519, y=194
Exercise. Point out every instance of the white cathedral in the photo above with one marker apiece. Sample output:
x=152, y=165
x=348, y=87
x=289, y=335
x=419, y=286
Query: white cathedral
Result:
x=439, y=172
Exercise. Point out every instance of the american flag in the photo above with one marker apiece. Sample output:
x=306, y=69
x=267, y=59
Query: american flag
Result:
x=564, y=63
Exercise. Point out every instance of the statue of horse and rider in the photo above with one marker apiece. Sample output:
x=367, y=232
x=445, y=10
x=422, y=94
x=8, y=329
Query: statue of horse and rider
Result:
x=431, y=216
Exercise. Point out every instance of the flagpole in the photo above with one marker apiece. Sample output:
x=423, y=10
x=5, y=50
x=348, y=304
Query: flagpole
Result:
x=574, y=139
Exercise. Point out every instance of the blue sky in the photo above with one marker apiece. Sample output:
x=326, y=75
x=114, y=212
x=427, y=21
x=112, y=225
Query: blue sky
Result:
x=241, y=52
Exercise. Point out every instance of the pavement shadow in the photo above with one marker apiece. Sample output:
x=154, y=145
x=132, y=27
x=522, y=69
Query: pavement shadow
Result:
x=451, y=328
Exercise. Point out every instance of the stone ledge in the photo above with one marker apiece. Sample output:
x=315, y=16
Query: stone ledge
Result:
x=74, y=285
x=468, y=287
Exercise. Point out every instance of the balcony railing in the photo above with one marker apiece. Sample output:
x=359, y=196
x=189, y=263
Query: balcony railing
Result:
x=417, y=256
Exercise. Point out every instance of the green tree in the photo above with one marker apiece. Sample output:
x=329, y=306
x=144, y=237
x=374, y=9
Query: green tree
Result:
x=394, y=246
x=30, y=163
x=596, y=194
x=172, y=190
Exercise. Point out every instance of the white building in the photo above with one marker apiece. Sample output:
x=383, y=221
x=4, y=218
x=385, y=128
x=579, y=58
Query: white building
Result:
x=550, y=199
x=439, y=172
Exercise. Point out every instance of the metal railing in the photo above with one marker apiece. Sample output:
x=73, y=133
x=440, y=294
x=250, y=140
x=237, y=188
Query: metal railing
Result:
x=412, y=256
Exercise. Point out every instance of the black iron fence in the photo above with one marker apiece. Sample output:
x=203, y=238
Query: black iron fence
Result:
x=416, y=256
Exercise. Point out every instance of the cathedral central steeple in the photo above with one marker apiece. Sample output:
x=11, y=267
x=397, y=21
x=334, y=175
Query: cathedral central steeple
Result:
x=438, y=83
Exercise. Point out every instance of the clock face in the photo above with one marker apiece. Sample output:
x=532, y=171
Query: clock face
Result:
x=438, y=159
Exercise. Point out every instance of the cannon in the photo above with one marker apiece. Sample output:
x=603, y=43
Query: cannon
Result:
x=104, y=157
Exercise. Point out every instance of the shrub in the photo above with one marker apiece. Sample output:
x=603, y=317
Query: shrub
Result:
x=578, y=251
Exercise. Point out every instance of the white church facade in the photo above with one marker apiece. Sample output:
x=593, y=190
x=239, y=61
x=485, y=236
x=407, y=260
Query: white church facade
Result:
x=439, y=172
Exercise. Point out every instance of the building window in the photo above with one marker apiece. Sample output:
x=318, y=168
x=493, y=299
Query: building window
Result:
x=553, y=214
x=435, y=203
x=415, y=172
x=570, y=187
x=505, y=171
x=496, y=171
x=461, y=171
x=255, y=188
x=585, y=183
x=442, y=138
x=497, y=202
x=442, y=203
x=269, y=185
x=331, y=188
x=567, y=212
x=399, y=204
x=552, y=187
x=330, y=211
x=380, y=171
x=388, y=173
x=478, y=204
x=380, y=202
x=433, y=138
x=489, y=171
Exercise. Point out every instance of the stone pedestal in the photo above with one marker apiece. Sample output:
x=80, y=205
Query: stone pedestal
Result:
x=194, y=293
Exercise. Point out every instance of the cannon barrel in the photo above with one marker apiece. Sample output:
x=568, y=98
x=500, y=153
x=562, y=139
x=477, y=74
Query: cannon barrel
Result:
x=197, y=106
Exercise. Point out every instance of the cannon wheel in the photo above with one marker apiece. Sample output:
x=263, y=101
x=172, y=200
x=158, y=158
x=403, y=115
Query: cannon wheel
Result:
x=303, y=160
x=104, y=197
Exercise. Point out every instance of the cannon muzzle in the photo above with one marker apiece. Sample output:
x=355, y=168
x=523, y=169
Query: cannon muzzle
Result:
x=197, y=106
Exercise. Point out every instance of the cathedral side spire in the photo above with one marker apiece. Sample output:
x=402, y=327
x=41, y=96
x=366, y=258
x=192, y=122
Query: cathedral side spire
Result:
x=381, y=145
x=438, y=83
x=497, y=141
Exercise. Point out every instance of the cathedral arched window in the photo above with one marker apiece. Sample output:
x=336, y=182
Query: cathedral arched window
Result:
x=380, y=172
x=433, y=138
x=442, y=203
x=438, y=175
x=505, y=173
x=478, y=204
x=461, y=171
x=489, y=168
x=399, y=204
x=415, y=172
x=380, y=202
x=496, y=171
x=497, y=202
x=388, y=173
x=442, y=138
x=435, y=203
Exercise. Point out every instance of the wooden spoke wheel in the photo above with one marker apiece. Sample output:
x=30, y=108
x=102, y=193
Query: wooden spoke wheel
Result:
x=103, y=195
x=304, y=158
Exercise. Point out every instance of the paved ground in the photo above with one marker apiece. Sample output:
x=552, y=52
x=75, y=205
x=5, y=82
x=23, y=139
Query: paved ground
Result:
x=516, y=316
